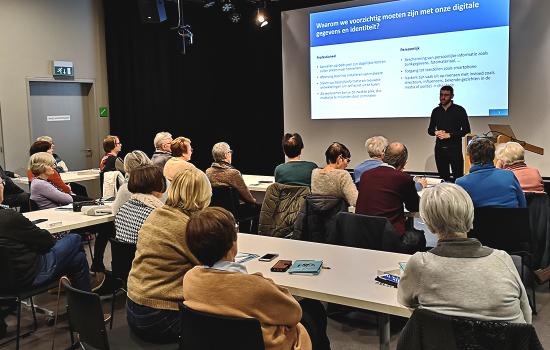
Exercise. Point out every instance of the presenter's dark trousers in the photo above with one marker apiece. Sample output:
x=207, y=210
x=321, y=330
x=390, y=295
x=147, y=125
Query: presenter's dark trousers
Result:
x=449, y=156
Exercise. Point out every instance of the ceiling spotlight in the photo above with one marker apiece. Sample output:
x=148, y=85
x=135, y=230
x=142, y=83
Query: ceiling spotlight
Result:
x=228, y=7
x=235, y=17
x=261, y=17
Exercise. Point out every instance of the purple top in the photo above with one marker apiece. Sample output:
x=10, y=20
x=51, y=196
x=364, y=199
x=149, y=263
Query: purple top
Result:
x=47, y=196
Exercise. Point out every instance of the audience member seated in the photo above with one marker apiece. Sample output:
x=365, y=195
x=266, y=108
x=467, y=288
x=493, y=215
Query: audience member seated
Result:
x=384, y=190
x=55, y=178
x=375, y=146
x=295, y=171
x=60, y=165
x=286, y=324
x=163, y=151
x=14, y=196
x=147, y=185
x=43, y=193
x=37, y=258
x=511, y=156
x=460, y=277
x=181, y=155
x=222, y=173
x=333, y=179
x=487, y=185
x=132, y=160
x=162, y=259
x=110, y=160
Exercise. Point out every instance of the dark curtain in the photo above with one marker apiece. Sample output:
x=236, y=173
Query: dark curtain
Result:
x=228, y=87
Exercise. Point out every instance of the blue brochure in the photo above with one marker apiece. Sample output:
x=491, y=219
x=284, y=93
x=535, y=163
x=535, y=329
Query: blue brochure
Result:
x=306, y=267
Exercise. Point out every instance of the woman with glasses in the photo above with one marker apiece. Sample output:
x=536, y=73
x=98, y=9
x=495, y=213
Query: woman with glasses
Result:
x=46, y=195
x=222, y=174
x=334, y=179
x=110, y=160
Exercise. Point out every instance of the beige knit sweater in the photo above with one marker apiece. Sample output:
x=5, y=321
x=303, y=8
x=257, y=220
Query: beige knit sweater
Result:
x=162, y=258
x=337, y=183
x=242, y=295
x=175, y=165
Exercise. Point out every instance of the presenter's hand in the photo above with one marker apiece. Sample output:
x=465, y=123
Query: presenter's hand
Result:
x=443, y=135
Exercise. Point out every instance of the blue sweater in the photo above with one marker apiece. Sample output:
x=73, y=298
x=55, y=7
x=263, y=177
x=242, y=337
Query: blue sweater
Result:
x=492, y=187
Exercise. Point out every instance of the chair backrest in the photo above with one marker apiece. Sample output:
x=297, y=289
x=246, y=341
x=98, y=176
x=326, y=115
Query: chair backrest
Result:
x=204, y=331
x=227, y=198
x=86, y=317
x=430, y=330
x=6, y=271
x=364, y=231
x=111, y=181
x=317, y=217
x=122, y=257
x=280, y=208
x=502, y=228
x=539, y=218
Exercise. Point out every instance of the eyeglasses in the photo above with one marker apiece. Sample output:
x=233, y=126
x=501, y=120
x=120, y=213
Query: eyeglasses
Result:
x=230, y=151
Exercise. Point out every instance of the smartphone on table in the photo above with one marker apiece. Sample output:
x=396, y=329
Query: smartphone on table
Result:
x=268, y=257
x=281, y=266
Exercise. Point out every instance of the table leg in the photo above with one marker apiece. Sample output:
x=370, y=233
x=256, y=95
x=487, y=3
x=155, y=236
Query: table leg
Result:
x=384, y=331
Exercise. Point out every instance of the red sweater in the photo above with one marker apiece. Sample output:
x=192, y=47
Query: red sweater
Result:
x=383, y=191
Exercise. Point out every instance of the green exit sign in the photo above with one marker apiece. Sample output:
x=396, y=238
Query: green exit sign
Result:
x=63, y=69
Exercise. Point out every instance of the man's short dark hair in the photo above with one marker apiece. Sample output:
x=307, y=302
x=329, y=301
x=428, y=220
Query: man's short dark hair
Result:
x=396, y=155
x=448, y=88
x=335, y=150
x=39, y=146
x=146, y=179
x=292, y=145
x=481, y=151
x=210, y=234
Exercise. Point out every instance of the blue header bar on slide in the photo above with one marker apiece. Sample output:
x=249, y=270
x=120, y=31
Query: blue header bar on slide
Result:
x=405, y=18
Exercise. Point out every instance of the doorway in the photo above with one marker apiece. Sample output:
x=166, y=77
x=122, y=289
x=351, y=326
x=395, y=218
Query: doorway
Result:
x=65, y=112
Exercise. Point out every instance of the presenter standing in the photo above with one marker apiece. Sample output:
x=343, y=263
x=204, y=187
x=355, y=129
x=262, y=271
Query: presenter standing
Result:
x=449, y=124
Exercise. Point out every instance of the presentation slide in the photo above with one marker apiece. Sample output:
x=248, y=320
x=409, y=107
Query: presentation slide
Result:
x=388, y=60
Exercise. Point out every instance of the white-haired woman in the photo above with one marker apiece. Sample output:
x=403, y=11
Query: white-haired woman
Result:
x=132, y=160
x=511, y=156
x=43, y=193
x=460, y=277
x=162, y=259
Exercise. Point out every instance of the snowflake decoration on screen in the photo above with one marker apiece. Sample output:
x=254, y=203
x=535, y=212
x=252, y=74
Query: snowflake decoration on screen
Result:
x=228, y=7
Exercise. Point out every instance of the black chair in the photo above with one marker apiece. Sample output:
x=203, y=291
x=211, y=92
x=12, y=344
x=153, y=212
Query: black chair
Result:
x=507, y=229
x=204, y=331
x=317, y=217
x=122, y=254
x=364, y=231
x=228, y=198
x=87, y=321
x=430, y=330
x=539, y=218
x=10, y=292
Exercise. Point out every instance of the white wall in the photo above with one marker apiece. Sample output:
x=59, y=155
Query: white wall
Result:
x=32, y=34
x=529, y=93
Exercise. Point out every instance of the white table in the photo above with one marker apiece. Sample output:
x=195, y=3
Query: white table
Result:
x=349, y=281
x=69, y=176
x=258, y=184
x=65, y=220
